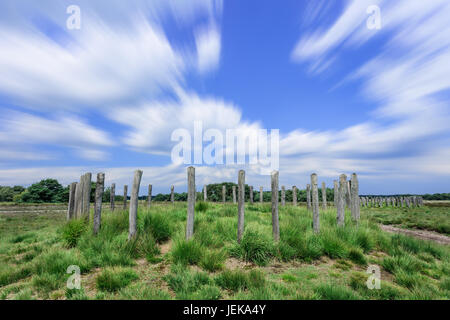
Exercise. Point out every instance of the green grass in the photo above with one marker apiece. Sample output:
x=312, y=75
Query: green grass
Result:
x=36, y=250
x=426, y=218
x=112, y=280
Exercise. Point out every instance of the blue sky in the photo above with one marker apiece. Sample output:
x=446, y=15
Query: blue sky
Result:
x=345, y=98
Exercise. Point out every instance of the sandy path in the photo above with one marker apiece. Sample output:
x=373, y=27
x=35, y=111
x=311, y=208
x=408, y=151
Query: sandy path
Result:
x=421, y=234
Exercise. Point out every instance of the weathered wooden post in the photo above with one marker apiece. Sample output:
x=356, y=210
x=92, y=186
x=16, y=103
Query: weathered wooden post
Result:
x=205, y=193
x=275, y=222
x=86, y=196
x=251, y=194
x=191, y=203
x=283, y=196
x=341, y=200
x=355, y=210
x=347, y=195
x=149, y=197
x=234, y=194
x=324, y=196
x=99, y=189
x=224, y=194
x=134, y=204
x=71, y=205
x=308, y=197
x=112, y=196
x=172, y=195
x=294, y=196
x=77, y=203
x=315, y=203
x=336, y=193
x=261, y=195
x=125, y=197
x=79, y=197
x=241, y=204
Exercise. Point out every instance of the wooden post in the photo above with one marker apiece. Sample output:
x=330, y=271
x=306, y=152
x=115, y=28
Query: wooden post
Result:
x=71, y=205
x=234, y=194
x=79, y=197
x=241, y=204
x=112, y=196
x=294, y=196
x=347, y=195
x=191, y=203
x=134, y=204
x=336, y=193
x=224, y=194
x=275, y=222
x=261, y=198
x=125, y=197
x=86, y=196
x=251, y=194
x=341, y=200
x=283, y=196
x=308, y=197
x=315, y=203
x=99, y=189
x=172, y=195
x=205, y=193
x=149, y=197
x=324, y=196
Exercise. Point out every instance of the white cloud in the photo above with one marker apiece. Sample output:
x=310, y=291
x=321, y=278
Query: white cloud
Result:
x=19, y=131
x=406, y=77
x=152, y=124
x=19, y=127
x=208, y=49
x=99, y=67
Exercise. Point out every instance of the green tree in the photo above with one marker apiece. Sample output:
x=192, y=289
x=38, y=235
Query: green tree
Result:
x=48, y=190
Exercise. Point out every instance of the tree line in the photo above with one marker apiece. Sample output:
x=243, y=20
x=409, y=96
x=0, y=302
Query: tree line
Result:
x=51, y=191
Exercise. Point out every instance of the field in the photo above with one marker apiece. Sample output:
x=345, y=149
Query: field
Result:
x=38, y=245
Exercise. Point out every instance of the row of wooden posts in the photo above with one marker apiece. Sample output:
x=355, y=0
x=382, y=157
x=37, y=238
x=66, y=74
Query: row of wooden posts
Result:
x=395, y=201
x=346, y=194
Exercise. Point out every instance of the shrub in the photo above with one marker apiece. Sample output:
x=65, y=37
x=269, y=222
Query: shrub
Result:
x=364, y=240
x=146, y=246
x=201, y=206
x=72, y=231
x=357, y=256
x=256, y=279
x=56, y=261
x=208, y=292
x=10, y=275
x=187, y=252
x=158, y=225
x=184, y=282
x=408, y=280
x=213, y=260
x=232, y=280
x=112, y=280
x=333, y=246
x=255, y=247
x=335, y=292
x=46, y=282
x=76, y=294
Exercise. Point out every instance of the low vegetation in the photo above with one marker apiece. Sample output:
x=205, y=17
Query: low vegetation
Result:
x=426, y=218
x=36, y=250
